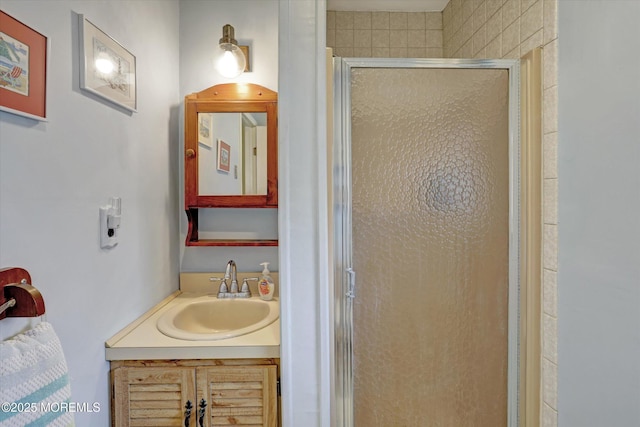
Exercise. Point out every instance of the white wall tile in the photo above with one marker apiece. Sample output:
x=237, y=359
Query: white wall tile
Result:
x=362, y=38
x=494, y=48
x=550, y=19
x=398, y=38
x=550, y=383
x=531, y=20
x=479, y=16
x=380, y=38
x=398, y=20
x=417, y=21
x=434, y=21
x=418, y=38
x=468, y=7
x=550, y=292
x=479, y=40
x=380, y=20
x=550, y=247
x=511, y=36
x=331, y=20
x=549, y=416
x=494, y=25
x=550, y=211
x=531, y=43
x=344, y=38
x=550, y=338
x=550, y=155
x=550, y=64
x=344, y=20
x=434, y=38
x=492, y=6
x=362, y=20
x=550, y=109
x=417, y=52
x=510, y=12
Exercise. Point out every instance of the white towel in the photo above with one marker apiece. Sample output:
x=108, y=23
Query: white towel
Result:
x=34, y=380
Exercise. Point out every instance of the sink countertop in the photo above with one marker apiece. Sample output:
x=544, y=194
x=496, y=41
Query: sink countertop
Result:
x=141, y=340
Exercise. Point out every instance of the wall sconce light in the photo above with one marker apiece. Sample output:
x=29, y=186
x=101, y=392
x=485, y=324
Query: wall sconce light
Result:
x=229, y=60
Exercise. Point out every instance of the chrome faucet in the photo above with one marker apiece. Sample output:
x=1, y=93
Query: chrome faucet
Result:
x=231, y=273
x=231, y=267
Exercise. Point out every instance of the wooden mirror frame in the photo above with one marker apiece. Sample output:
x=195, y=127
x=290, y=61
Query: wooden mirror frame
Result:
x=228, y=98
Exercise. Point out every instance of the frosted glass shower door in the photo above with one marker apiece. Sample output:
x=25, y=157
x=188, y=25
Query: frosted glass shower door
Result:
x=430, y=244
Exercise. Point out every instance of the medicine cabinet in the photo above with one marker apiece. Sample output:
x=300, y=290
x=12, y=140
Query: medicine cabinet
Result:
x=231, y=154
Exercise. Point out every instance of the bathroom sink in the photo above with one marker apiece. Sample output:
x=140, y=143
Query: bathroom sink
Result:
x=209, y=318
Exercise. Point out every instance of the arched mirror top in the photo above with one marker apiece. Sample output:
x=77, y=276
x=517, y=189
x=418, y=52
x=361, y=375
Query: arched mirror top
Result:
x=235, y=92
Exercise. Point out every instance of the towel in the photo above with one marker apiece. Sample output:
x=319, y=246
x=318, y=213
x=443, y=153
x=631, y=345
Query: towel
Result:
x=34, y=380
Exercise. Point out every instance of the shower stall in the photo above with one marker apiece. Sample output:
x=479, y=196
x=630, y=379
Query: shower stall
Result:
x=426, y=220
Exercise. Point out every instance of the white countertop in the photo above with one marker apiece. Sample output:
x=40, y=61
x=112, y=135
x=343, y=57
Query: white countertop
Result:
x=141, y=340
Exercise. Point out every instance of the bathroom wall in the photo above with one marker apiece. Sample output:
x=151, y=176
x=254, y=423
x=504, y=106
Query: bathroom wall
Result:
x=385, y=34
x=55, y=175
x=510, y=29
x=599, y=239
x=256, y=24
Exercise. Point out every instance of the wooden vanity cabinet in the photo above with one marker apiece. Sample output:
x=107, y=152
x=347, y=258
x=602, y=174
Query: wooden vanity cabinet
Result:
x=219, y=392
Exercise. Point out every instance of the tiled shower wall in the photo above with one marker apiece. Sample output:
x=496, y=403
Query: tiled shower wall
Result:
x=385, y=34
x=481, y=29
x=510, y=29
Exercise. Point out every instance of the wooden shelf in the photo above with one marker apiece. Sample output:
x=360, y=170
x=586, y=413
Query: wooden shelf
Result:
x=216, y=242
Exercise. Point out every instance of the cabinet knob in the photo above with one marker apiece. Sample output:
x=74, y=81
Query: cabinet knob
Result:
x=191, y=153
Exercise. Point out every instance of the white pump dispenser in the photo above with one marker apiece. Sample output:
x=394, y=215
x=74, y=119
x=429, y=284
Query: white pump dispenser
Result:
x=266, y=285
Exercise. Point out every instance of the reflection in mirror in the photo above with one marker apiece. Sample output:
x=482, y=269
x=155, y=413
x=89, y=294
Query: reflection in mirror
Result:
x=232, y=153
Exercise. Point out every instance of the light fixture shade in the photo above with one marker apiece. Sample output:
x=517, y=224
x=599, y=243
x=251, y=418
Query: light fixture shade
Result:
x=229, y=59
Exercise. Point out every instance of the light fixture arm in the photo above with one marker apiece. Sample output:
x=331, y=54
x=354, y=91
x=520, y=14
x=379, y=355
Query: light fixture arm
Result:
x=228, y=35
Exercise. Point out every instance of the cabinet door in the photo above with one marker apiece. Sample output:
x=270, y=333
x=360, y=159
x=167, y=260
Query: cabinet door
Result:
x=239, y=396
x=153, y=397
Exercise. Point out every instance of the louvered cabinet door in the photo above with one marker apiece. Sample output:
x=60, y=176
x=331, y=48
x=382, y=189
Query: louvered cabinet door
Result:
x=239, y=396
x=153, y=397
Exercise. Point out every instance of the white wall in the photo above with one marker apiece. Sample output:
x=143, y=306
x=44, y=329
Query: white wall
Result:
x=599, y=201
x=55, y=175
x=304, y=295
x=256, y=24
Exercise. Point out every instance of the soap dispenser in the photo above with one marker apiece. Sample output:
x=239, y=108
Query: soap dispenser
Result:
x=266, y=285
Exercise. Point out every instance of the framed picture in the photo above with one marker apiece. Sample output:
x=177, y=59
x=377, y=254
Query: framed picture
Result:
x=24, y=55
x=107, y=69
x=224, y=156
x=205, y=136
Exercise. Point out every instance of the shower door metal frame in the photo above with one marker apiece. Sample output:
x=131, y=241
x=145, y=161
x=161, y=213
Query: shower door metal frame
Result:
x=345, y=289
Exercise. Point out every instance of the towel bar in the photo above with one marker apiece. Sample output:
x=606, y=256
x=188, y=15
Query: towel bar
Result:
x=27, y=300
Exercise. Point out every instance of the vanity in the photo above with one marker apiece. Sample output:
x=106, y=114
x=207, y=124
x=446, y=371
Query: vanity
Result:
x=159, y=380
x=205, y=355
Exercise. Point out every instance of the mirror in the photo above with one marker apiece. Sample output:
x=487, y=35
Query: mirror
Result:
x=231, y=153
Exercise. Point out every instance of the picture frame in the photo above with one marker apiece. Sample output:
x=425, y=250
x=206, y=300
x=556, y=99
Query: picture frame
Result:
x=24, y=60
x=224, y=156
x=205, y=135
x=107, y=69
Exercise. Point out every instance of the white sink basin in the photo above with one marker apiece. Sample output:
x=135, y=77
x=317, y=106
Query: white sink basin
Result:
x=208, y=318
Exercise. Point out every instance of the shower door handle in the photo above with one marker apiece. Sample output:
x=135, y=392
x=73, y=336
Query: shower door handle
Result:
x=351, y=292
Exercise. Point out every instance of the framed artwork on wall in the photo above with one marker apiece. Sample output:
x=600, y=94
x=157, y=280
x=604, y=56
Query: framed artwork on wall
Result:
x=224, y=156
x=24, y=56
x=107, y=69
x=205, y=137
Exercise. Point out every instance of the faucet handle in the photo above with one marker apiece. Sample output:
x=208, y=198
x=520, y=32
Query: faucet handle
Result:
x=223, y=284
x=245, y=285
